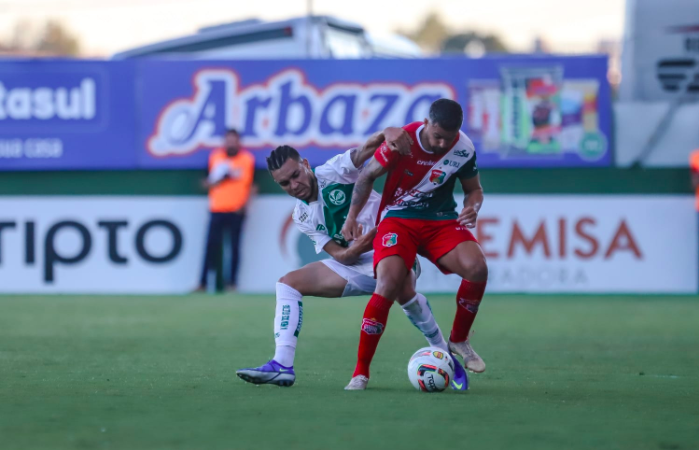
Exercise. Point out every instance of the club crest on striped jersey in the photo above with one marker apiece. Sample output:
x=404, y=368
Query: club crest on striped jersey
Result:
x=437, y=176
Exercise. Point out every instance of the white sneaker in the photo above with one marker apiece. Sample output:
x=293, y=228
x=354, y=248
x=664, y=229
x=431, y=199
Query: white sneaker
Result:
x=357, y=383
x=472, y=361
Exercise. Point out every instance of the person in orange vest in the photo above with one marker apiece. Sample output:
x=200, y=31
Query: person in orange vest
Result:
x=694, y=167
x=231, y=171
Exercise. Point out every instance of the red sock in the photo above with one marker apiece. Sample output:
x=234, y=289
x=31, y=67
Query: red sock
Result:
x=373, y=325
x=467, y=300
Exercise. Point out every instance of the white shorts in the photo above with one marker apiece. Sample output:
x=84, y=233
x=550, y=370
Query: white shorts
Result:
x=360, y=275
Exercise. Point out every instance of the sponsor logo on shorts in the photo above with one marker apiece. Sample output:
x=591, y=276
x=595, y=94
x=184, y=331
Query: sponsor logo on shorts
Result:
x=437, y=176
x=337, y=197
x=321, y=227
x=389, y=240
x=371, y=326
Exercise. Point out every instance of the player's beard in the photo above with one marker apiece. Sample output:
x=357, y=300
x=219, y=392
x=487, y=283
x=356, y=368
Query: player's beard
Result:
x=312, y=189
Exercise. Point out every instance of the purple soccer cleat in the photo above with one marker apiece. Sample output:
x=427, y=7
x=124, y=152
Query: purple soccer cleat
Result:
x=460, y=380
x=270, y=373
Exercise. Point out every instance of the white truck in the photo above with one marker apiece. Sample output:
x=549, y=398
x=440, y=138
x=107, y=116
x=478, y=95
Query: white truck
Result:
x=309, y=37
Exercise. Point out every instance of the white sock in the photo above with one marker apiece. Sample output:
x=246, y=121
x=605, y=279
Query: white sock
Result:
x=287, y=324
x=420, y=314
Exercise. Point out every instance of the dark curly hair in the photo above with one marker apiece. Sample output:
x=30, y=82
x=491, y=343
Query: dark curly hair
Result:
x=279, y=155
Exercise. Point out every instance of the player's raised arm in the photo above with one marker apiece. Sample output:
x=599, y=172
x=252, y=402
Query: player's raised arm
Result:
x=473, y=201
x=360, y=195
x=397, y=139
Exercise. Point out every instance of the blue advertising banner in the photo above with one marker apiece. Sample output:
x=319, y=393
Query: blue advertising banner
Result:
x=520, y=111
x=63, y=115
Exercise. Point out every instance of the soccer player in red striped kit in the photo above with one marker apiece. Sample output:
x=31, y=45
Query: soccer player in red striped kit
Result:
x=418, y=216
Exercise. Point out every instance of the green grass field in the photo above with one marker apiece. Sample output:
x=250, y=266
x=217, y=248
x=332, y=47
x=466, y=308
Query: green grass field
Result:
x=588, y=372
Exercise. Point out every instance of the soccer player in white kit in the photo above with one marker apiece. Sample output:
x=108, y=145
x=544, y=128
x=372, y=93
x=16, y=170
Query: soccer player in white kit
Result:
x=323, y=197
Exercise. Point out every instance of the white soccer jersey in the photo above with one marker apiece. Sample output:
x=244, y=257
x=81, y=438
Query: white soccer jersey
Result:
x=323, y=219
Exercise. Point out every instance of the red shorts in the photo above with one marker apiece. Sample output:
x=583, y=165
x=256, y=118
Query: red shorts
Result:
x=409, y=237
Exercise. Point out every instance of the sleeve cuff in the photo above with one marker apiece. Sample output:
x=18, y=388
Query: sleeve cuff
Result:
x=381, y=157
x=468, y=176
x=320, y=243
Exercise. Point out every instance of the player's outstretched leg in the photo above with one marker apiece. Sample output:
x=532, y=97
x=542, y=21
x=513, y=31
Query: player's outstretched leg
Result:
x=288, y=320
x=313, y=279
x=468, y=261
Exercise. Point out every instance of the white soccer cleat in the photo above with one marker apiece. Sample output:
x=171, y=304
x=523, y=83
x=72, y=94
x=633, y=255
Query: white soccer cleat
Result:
x=357, y=383
x=472, y=361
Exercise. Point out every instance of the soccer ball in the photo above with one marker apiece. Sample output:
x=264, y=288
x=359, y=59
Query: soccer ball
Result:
x=431, y=369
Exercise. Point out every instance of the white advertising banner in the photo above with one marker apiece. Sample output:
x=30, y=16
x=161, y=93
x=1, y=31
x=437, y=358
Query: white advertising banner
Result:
x=537, y=244
x=586, y=244
x=101, y=245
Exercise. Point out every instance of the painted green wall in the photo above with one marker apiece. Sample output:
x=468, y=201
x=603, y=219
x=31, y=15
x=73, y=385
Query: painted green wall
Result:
x=500, y=181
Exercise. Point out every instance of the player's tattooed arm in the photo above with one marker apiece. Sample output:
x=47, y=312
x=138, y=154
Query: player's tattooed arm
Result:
x=397, y=139
x=473, y=201
x=360, y=195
